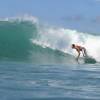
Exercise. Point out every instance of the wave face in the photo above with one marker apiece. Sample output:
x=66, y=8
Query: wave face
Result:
x=25, y=39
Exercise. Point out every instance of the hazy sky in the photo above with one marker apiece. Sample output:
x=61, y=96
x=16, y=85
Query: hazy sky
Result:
x=82, y=15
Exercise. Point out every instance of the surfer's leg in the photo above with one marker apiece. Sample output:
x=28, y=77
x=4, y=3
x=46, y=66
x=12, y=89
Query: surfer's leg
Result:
x=85, y=53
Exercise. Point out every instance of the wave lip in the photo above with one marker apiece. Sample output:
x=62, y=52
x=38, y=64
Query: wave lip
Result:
x=20, y=19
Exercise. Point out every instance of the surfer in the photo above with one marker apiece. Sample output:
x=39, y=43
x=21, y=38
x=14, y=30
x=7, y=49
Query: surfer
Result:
x=79, y=49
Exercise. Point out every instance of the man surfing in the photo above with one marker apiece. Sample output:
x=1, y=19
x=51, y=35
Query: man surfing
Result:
x=79, y=49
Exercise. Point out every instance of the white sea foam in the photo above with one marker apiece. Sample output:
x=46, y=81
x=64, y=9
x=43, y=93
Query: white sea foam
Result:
x=25, y=17
x=61, y=39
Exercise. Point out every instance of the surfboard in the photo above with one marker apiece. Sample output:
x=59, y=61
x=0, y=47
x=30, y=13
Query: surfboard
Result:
x=89, y=60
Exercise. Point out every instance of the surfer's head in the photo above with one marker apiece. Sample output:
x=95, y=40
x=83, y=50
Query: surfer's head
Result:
x=73, y=45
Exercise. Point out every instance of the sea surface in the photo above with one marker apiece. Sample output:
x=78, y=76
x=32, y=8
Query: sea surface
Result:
x=26, y=81
x=38, y=63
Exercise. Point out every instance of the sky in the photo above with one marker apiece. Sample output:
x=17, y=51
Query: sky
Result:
x=81, y=15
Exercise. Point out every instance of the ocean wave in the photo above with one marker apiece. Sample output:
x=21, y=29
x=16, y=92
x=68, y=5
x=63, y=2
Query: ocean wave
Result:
x=24, y=38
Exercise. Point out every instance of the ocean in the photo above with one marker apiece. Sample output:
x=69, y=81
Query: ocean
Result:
x=38, y=63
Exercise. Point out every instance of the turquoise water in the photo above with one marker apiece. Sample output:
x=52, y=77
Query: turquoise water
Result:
x=37, y=63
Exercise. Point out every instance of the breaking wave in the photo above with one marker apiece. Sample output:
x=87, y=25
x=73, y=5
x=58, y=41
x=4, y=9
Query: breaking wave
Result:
x=26, y=39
